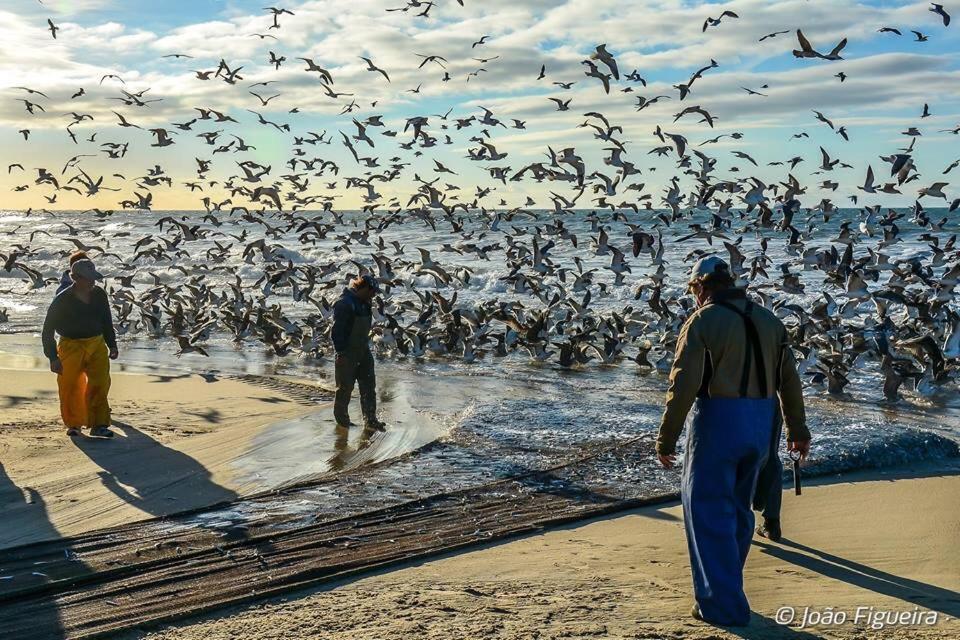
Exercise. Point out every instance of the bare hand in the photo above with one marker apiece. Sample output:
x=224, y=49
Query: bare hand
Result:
x=800, y=446
x=667, y=461
x=114, y=354
x=56, y=367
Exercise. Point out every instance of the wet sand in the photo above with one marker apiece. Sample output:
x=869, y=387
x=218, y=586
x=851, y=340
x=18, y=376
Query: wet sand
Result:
x=881, y=540
x=183, y=441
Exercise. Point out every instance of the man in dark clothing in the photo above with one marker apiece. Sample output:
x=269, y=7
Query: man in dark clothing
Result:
x=352, y=319
x=80, y=315
x=769, y=495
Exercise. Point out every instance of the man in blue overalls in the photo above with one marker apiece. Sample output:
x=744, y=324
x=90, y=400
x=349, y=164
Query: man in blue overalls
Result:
x=352, y=320
x=732, y=362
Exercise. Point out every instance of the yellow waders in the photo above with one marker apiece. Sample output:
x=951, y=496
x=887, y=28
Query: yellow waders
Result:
x=84, y=383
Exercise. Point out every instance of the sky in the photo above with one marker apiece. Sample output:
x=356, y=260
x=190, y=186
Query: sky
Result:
x=889, y=78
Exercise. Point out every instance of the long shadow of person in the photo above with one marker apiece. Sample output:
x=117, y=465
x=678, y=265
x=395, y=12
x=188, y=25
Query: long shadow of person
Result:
x=25, y=509
x=143, y=473
x=153, y=478
x=859, y=575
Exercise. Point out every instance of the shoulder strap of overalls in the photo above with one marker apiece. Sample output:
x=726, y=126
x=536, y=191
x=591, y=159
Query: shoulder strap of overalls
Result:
x=753, y=347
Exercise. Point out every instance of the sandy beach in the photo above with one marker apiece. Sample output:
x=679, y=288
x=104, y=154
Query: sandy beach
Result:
x=881, y=540
x=860, y=544
x=884, y=540
x=178, y=441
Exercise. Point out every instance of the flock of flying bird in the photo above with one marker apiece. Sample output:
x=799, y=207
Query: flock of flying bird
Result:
x=875, y=306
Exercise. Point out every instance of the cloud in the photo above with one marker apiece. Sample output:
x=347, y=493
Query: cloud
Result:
x=888, y=80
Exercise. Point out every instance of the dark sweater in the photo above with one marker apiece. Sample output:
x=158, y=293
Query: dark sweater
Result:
x=70, y=317
x=345, y=311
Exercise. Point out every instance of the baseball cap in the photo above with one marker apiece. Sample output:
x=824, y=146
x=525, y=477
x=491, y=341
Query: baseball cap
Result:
x=85, y=269
x=371, y=282
x=707, y=266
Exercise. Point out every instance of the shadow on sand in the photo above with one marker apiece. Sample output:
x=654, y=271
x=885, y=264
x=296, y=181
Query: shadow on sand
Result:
x=31, y=510
x=153, y=478
x=156, y=479
x=918, y=593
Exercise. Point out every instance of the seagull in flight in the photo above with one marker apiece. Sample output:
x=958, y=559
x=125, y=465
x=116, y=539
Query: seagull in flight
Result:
x=822, y=118
x=53, y=28
x=123, y=122
x=276, y=15
x=807, y=51
x=643, y=103
x=312, y=66
x=277, y=12
x=427, y=59
x=595, y=72
x=756, y=93
x=33, y=91
x=262, y=101
x=772, y=35
x=715, y=22
x=373, y=67
x=31, y=106
x=938, y=9
x=606, y=58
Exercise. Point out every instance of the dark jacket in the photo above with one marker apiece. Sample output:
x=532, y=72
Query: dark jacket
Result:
x=347, y=308
x=70, y=317
x=716, y=333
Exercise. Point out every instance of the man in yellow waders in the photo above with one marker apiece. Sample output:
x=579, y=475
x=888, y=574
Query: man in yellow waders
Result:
x=80, y=315
x=732, y=364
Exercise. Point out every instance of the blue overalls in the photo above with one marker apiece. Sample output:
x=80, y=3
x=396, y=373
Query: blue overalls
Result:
x=727, y=444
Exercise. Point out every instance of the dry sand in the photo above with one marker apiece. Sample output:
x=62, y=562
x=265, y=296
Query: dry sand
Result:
x=870, y=540
x=178, y=446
